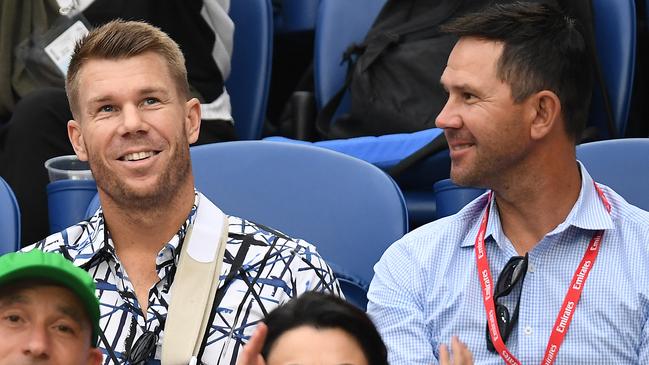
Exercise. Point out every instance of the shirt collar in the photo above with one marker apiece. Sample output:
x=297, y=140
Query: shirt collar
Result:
x=89, y=240
x=588, y=213
x=494, y=229
x=475, y=210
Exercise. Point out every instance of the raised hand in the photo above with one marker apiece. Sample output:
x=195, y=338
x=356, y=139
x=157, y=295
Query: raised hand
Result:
x=461, y=354
x=251, y=354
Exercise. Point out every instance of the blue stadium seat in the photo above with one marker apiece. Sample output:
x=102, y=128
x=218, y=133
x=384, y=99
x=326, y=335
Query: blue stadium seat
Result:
x=249, y=79
x=339, y=24
x=622, y=164
x=67, y=201
x=351, y=210
x=451, y=198
x=9, y=219
x=615, y=38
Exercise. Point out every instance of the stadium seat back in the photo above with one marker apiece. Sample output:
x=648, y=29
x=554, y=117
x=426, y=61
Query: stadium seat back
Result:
x=615, y=38
x=9, y=219
x=622, y=164
x=249, y=79
x=339, y=24
x=351, y=210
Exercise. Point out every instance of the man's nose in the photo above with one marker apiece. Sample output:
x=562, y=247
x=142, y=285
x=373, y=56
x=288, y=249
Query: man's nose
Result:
x=132, y=120
x=38, y=343
x=449, y=116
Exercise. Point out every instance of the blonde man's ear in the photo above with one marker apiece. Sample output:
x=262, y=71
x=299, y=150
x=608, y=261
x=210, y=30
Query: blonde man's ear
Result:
x=192, y=119
x=76, y=139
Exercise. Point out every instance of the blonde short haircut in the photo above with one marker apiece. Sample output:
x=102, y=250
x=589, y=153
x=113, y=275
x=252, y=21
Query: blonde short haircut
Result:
x=121, y=39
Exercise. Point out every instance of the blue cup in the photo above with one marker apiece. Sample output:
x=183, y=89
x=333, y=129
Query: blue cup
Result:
x=69, y=192
x=67, y=201
x=451, y=198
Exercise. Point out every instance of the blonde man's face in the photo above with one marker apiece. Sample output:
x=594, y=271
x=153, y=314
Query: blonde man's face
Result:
x=134, y=128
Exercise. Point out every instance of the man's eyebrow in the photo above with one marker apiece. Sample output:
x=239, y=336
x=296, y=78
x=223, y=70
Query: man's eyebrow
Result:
x=100, y=99
x=460, y=87
x=71, y=312
x=145, y=91
x=151, y=90
x=13, y=299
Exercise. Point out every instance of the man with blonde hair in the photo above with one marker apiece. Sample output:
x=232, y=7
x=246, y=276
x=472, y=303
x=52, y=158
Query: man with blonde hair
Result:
x=36, y=131
x=157, y=247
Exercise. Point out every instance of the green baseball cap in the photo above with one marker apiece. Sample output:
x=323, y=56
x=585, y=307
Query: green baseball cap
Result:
x=53, y=267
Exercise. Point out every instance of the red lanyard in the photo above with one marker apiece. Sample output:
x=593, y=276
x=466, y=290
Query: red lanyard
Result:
x=569, y=303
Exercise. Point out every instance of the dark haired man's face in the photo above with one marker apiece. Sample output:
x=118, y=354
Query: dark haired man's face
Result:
x=134, y=129
x=486, y=130
x=45, y=325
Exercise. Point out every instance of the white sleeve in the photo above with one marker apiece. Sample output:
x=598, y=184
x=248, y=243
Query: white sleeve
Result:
x=215, y=13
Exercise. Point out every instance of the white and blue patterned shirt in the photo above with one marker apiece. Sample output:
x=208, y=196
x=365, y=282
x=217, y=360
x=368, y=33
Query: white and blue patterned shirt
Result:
x=267, y=269
x=426, y=287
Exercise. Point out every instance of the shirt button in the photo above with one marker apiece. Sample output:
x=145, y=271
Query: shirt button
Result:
x=530, y=267
x=527, y=330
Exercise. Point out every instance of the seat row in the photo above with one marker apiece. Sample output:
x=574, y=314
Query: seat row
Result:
x=349, y=208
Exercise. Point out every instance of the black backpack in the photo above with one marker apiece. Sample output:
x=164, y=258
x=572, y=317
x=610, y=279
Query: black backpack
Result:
x=396, y=67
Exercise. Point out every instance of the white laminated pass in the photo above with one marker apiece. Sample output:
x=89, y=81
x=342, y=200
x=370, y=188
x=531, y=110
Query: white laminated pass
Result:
x=61, y=48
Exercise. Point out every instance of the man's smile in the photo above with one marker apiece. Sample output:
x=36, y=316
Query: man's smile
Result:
x=137, y=156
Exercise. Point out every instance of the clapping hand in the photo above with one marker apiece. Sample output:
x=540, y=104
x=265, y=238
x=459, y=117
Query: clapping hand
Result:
x=461, y=354
x=251, y=354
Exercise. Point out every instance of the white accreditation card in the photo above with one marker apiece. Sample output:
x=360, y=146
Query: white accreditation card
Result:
x=61, y=48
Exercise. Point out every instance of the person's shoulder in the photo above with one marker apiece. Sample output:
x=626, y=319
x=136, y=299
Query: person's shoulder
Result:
x=450, y=228
x=278, y=257
x=630, y=226
x=259, y=238
x=625, y=212
x=51, y=243
x=80, y=237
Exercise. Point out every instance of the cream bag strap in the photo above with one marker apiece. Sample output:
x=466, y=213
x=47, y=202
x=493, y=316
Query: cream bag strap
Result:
x=195, y=284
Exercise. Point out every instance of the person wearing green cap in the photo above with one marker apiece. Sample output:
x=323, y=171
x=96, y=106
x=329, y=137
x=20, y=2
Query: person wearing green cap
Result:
x=49, y=313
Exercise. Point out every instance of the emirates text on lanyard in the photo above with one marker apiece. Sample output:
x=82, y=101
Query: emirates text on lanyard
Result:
x=569, y=303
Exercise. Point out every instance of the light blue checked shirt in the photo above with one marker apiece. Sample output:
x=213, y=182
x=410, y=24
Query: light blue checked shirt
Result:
x=426, y=288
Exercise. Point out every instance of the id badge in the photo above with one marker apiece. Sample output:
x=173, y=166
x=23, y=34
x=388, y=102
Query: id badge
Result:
x=61, y=48
x=46, y=55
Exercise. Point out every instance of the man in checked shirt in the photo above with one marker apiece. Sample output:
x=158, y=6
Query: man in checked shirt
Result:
x=547, y=266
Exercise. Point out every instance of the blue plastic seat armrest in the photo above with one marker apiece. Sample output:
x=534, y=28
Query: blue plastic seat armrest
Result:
x=382, y=151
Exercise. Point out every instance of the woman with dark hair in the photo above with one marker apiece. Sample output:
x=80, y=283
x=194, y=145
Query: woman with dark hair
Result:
x=324, y=328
